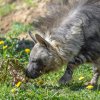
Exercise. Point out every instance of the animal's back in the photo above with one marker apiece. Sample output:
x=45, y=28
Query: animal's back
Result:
x=79, y=31
x=91, y=30
x=76, y=27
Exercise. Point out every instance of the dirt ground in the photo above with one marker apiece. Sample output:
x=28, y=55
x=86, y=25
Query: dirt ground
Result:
x=22, y=13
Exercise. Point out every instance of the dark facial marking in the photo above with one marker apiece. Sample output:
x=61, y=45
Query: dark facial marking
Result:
x=37, y=69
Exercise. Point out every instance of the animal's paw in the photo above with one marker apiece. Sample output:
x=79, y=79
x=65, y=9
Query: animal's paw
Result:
x=65, y=79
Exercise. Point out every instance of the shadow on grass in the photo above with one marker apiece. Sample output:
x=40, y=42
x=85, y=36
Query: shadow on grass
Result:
x=97, y=88
x=72, y=86
x=50, y=87
x=19, y=44
x=22, y=44
x=76, y=86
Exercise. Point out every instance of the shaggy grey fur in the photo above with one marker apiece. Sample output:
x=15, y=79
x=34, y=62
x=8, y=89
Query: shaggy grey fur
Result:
x=73, y=38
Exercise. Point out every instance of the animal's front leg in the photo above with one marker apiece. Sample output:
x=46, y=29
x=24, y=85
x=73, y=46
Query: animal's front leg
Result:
x=70, y=68
x=67, y=75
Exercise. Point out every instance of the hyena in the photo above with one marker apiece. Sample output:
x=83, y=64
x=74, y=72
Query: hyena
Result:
x=74, y=40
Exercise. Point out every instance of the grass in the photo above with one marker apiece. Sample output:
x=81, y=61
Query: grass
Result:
x=32, y=3
x=6, y=9
x=45, y=87
x=18, y=28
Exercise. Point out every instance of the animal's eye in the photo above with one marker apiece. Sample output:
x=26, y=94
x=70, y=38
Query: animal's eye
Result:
x=33, y=61
x=37, y=60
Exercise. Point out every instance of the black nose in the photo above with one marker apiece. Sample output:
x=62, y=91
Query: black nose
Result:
x=27, y=73
x=31, y=75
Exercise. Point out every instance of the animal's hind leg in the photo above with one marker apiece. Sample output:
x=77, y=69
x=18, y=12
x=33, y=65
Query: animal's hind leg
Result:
x=96, y=74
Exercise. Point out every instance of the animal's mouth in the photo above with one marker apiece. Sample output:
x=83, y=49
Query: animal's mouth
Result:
x=33, y=75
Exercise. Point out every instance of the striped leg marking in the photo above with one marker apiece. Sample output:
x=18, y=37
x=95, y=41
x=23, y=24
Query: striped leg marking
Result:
x=96, y=74
x=70, y=68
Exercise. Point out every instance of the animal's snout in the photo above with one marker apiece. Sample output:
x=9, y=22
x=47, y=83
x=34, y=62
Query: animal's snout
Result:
x=32, y=74
x=27, y=73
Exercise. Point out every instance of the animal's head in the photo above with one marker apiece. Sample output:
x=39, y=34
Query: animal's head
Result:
x=43, y=58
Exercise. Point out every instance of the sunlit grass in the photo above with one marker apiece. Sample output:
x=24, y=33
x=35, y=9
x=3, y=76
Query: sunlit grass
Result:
x=32, y=3
x=46, y=87
x=6, y=9
x=18, y=28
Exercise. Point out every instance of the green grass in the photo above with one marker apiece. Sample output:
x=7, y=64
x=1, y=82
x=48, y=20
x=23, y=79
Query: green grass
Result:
x=32, y=3
x=49, y=89
x=6, y=9
x=18, y=28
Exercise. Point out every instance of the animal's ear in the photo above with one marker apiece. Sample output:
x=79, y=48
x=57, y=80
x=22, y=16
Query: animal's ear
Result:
x=33, y=38
x=42, y=40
